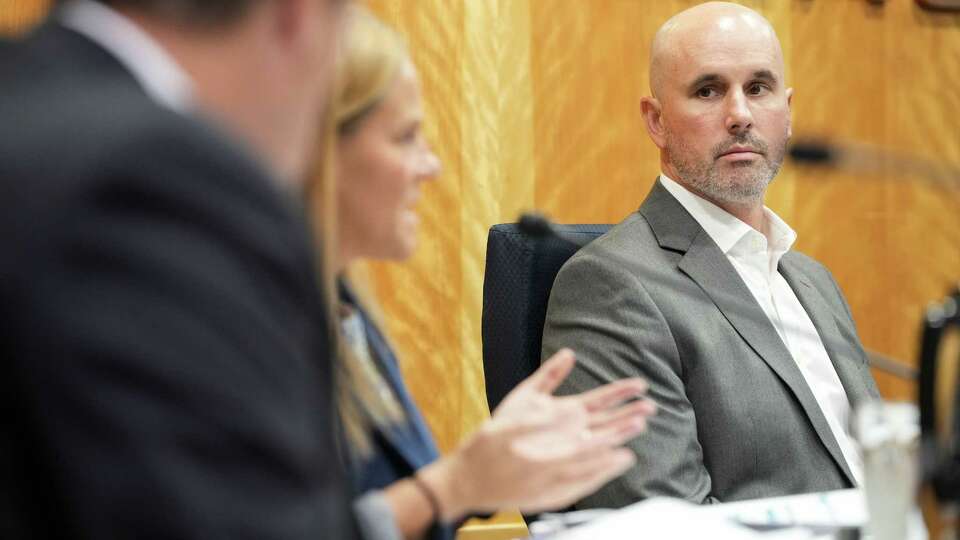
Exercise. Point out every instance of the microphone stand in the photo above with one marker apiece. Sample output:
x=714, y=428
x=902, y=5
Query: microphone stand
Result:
x=871, y=160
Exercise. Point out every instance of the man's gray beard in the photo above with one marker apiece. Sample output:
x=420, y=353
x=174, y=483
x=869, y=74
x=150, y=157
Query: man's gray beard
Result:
x=746, y=184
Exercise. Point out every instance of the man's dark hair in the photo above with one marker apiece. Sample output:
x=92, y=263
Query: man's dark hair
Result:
x=201, y=13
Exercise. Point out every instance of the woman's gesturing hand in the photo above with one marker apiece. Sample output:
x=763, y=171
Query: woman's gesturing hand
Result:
x=539, y=451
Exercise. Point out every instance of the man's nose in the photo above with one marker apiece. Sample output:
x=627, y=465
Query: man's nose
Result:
x=739, y=117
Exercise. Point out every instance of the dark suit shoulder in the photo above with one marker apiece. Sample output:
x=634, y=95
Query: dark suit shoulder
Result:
x=79, y=142
x=69, y=109
x=77, y=131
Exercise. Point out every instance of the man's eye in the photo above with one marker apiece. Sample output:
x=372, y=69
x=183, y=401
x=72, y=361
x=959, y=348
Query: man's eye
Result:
x=757, y=89
x=706, y=92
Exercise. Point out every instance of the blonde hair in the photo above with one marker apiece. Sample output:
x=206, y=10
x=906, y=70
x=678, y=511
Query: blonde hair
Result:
x=370, y=56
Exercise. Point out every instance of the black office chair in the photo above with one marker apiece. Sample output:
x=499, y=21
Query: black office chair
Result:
x=516, y=287
x=939, y=398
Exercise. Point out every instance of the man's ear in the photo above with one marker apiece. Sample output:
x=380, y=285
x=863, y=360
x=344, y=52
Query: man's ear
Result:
x=789, y=112
x=652, y=113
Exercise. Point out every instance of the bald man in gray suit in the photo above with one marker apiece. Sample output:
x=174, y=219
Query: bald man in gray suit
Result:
x=749, y=347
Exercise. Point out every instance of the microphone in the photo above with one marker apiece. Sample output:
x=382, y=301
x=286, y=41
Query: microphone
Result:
x=864, y=159
x=536, y=226
x=814, y=153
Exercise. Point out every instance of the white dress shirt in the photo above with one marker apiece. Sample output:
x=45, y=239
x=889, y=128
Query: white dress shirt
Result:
x=756, y=257
x=158, y=73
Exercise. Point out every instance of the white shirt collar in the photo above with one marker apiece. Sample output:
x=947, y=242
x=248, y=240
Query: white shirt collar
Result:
x=155, y=69
x=732, y=235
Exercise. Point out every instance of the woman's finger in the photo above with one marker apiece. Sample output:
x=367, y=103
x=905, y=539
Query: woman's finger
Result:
x=642, y=407
x=577, y=478
x=550, y=375
x=611, y=394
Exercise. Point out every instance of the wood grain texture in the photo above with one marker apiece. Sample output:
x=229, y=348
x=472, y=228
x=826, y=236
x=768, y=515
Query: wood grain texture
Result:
x=18, y=16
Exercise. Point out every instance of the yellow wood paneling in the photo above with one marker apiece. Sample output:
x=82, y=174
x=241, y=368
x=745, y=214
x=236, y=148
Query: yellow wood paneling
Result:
x=16, y=16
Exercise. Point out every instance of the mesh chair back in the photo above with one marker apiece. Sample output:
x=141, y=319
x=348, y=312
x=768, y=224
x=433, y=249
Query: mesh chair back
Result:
x=516, y=287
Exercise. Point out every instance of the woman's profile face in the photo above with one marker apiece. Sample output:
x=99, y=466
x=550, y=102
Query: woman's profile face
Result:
x=381, y=166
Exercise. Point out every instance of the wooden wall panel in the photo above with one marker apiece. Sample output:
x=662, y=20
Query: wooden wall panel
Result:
x=16, y=16
x=589, y=74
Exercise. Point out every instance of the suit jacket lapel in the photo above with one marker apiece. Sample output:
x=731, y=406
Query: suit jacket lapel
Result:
x=706, y=265
x=843, y=353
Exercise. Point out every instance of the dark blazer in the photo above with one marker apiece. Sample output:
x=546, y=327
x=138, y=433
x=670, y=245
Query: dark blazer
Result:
x=655, y=297
x=398, y=452
x=166, y=368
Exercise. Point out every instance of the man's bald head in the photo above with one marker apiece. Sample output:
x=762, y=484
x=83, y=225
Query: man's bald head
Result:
x=720, y=111
x=685, y=33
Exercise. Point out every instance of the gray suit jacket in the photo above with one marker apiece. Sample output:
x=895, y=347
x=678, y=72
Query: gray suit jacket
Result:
x=655, y=297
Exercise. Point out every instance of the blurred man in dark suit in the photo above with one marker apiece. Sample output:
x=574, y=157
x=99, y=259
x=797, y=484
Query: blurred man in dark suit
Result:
x=166, y=366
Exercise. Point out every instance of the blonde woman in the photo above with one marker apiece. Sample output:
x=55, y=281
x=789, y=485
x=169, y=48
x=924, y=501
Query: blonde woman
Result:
x=537, y=452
